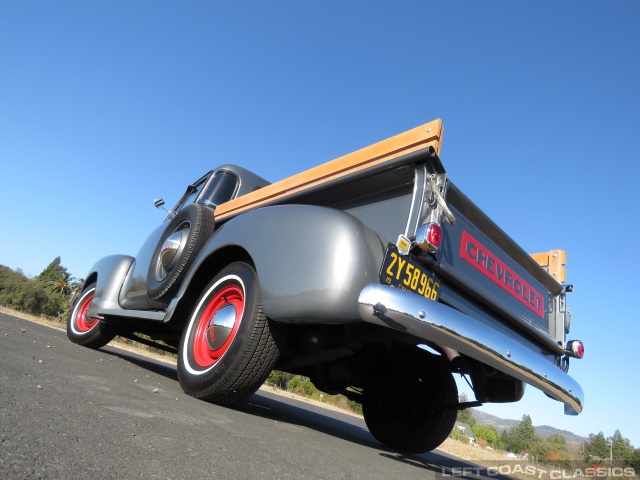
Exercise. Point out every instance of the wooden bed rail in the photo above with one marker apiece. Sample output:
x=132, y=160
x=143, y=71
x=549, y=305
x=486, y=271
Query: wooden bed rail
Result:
x=419, y=138
x=555, y=263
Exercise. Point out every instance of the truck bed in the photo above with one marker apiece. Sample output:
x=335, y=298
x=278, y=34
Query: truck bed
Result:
x=380, y=178
x=365, y=161
x=482, y=273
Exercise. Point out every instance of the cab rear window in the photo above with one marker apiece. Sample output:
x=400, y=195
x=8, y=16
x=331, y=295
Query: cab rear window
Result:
x=220, y=189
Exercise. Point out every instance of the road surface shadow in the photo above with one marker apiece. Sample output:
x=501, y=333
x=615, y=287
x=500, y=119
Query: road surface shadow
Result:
x=155, y=366
x=335, y=424
x=280, y=409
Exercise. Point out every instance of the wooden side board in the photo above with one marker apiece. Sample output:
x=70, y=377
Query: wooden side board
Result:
x=422, y=137
x=554, y=261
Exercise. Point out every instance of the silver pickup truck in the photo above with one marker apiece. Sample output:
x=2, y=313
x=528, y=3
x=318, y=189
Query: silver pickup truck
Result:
x=372, y=275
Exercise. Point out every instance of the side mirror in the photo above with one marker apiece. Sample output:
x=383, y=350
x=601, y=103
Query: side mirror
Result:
x=159, y=203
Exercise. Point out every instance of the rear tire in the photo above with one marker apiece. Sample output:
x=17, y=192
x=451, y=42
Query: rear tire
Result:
x=416, y=424
x=228, y=346
x=86, y=331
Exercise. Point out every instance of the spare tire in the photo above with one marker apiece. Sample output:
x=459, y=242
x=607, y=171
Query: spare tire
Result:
x=180, y=243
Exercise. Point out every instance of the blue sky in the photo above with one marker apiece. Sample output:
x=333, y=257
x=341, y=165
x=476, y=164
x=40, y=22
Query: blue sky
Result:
x=105, y=106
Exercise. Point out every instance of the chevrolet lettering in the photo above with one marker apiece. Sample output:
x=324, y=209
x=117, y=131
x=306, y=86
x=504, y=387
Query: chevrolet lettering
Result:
x=473, y=252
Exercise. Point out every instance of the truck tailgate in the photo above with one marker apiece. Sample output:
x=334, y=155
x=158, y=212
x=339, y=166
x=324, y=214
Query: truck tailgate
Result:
x=484, y=262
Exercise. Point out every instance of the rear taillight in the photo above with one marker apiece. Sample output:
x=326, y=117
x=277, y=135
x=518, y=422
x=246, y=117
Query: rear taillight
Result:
x=575, y=349
x=429, y=237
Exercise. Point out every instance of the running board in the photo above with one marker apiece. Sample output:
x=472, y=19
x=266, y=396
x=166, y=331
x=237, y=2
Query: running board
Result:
x=137, y=314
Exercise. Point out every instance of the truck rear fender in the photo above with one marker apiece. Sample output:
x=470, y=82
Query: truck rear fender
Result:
x=312, y=262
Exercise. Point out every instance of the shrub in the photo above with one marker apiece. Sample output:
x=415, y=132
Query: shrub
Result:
x=458, y=434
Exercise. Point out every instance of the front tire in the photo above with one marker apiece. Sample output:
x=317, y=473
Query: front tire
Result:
x=86, y=331
x=228, y=347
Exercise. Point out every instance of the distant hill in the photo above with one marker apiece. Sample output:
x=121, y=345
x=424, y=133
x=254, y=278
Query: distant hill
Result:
x=543, y=431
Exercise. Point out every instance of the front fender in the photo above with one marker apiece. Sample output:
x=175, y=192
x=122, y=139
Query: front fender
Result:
x=312, y=262
x=111, y=272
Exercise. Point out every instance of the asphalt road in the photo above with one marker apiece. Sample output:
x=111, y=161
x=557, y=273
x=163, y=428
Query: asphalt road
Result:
x=71, y=412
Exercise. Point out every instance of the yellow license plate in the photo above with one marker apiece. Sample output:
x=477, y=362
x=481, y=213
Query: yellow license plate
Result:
x=406, y=273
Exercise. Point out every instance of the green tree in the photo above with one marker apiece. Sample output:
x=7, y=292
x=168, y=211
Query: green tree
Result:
x=49, y=293
x=61, y=287
x=596, y=448
x=551, y=451
x=458, y=434
x=57, y=305
x=522, y=437
x=634, y=461
x=488, y=433
x=622, y=448
x=558, y=441
x=275, y=377
x=56, y=278
x=466, y=415
x=20, y=292
x=75, y=286
x=302, y=386
x=505, y=437
x=280, y=379
x=53, y=271
x=355, y=406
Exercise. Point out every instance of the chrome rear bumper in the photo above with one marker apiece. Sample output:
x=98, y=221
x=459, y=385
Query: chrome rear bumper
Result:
x=408, y=312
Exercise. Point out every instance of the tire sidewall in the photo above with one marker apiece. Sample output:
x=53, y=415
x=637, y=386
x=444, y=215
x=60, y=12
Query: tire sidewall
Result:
x=201, y=226
x=195, y=379
x=98, y=335
x=72, y=325
x=423, y=433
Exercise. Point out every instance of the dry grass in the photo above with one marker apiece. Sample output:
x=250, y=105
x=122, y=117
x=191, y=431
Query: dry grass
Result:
x=342, y=407
x=469, y=452
x=56, y=323
x=122, y=343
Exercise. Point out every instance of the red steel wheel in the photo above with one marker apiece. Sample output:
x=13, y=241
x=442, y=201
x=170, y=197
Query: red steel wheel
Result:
x=80, y=323
x=228, y=346
x=218, y=325
x=84, y=330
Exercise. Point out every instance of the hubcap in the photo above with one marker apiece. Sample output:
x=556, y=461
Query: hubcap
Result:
x=220, y=326
x=83, y=323
x=218, y=323
x=169, y=249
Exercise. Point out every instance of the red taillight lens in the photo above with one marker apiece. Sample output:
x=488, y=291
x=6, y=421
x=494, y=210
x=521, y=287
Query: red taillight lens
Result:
x=434, y=235
x=575, y=348
x=429, y=237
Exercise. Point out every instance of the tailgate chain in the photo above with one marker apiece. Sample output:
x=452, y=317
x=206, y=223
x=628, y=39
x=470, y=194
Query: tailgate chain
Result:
x=440, y=199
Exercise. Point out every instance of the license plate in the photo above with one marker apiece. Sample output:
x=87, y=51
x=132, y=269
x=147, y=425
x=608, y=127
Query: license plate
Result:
x=408, y=274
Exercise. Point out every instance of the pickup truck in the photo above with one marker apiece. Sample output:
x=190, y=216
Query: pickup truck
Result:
x=373, y=275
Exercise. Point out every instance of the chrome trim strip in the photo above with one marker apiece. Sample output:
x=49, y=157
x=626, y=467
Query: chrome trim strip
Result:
x=408, y=312
x=139, y=314
x=417, y=199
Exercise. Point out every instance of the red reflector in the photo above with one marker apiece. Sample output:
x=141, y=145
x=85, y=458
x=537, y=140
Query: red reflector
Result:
x=429, y=237
x=575, y=348
x=434, y=235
